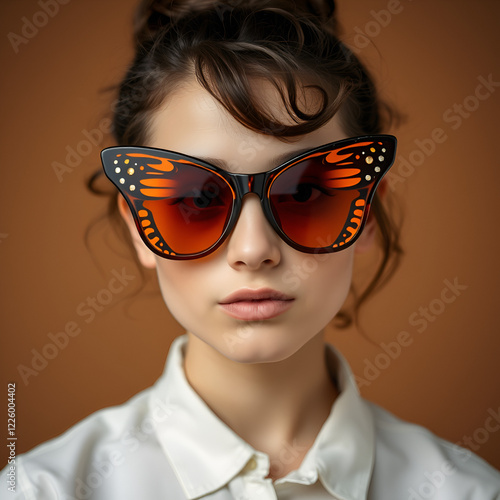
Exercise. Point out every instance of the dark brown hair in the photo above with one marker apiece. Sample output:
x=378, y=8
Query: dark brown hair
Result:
x=225, y=44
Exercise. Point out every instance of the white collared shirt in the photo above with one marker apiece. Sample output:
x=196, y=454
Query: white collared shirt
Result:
x=166, y=443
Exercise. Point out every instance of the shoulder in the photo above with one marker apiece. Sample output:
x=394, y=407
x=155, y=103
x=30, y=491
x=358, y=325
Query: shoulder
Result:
x=422, y=465
x=102, y=449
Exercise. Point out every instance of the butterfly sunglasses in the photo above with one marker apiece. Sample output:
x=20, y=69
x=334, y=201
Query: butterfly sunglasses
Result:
x=185, y=208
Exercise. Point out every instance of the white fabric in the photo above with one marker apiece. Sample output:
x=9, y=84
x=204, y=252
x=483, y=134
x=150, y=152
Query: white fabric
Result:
x=166, y=443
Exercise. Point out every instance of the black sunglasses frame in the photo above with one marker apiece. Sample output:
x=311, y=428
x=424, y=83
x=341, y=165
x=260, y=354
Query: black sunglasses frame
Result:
x=243, y=184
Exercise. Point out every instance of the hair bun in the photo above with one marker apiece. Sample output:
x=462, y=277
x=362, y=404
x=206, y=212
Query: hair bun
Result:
x=152, y=15
x=323, y=9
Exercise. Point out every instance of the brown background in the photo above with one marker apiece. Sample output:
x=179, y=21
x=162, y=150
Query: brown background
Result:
x=428, y=58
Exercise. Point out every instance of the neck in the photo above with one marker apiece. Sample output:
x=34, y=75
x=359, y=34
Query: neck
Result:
x=272, y=406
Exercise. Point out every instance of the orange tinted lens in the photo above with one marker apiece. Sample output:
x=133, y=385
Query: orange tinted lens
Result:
x=193, y=211
x=312, y=206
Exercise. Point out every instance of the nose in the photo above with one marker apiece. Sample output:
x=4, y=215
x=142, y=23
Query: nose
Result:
x=253, y=243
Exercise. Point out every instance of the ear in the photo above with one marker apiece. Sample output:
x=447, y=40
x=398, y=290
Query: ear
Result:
x=144, y=254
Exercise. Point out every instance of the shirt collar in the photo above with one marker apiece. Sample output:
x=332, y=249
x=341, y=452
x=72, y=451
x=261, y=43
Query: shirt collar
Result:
x=206, y=454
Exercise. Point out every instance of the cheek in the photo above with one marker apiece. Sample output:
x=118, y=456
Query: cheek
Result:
x=180, y=287
x=338, y=268
x=327, y=281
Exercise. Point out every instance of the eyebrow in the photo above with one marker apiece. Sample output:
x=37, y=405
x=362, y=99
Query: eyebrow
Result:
x=276, y=161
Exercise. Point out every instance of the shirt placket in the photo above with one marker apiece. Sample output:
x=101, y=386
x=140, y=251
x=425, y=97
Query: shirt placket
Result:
x=251, y=483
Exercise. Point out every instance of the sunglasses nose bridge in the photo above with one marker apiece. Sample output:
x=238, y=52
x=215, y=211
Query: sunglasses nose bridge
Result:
x=250, y=183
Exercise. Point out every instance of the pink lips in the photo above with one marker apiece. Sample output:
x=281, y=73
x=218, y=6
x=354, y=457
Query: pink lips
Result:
x=254, y=305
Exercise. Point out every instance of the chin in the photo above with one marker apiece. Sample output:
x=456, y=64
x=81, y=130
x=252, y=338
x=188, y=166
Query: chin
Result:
x=250, y=347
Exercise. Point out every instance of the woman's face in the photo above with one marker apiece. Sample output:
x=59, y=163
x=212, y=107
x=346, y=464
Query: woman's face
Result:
x=253, y=256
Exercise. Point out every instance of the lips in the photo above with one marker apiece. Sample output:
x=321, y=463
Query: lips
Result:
x=255, y=305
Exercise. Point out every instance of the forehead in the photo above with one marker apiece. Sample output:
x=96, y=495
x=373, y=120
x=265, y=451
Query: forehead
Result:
x=193, y=122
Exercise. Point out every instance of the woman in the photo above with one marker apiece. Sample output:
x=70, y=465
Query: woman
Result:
x=253, y=403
